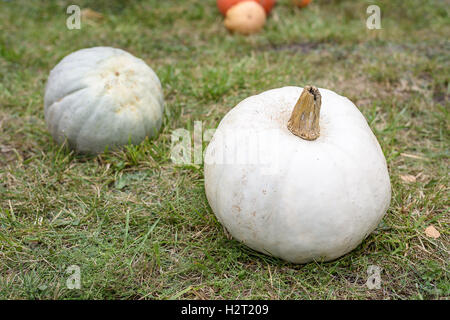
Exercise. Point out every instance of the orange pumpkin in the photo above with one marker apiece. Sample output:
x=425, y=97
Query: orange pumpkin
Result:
x=301, y=3
x=246, y=17
x=224, y=5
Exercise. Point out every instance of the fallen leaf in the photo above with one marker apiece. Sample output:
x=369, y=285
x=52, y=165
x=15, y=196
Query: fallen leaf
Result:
x=408, y=178
x=432, y=232
x=91, y=14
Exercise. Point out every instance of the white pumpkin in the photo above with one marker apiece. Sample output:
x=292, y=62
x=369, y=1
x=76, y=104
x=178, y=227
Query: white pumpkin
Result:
x=102, y=97
x=299, y=199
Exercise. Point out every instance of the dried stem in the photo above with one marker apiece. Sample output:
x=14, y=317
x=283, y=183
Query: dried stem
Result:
x=304, y=121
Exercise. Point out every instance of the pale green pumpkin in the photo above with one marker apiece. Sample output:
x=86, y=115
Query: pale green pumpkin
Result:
x=101, y=98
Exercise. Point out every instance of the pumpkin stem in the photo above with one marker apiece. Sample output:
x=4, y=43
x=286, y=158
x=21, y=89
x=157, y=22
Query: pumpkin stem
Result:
x=304, y=121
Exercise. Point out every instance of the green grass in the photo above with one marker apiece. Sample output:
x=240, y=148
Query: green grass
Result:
x=140, y=227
